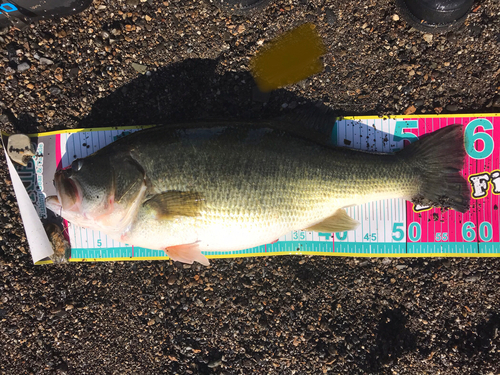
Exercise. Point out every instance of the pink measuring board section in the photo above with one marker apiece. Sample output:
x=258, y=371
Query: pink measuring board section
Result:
x=434, y=231
x=487, y=198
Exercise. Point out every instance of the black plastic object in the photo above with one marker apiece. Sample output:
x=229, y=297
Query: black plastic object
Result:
x=23, y=12
x=240, y=7
x=435, y=15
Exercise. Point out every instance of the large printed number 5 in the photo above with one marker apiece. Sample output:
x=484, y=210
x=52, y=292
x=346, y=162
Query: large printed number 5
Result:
x=402, y=125
x=471, y=136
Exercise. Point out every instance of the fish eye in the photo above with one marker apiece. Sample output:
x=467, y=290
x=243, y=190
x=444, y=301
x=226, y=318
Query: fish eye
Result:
x=77, y=164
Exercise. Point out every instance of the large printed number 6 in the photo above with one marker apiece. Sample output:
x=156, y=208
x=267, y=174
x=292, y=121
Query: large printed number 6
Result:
x=471, y=137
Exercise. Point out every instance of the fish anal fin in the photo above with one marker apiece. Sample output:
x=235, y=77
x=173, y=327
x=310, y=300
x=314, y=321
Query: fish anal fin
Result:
x=338, y=222
x=175, y=203
x=187, y=254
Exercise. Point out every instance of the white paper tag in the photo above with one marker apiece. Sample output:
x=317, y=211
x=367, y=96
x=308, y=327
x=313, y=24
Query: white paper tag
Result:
x=38, y=241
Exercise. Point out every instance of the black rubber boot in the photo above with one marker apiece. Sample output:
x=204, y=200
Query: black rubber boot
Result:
x=20, y=13
x=435, y=16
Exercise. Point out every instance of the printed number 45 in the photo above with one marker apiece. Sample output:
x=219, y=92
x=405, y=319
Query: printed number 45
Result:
x=373, y=237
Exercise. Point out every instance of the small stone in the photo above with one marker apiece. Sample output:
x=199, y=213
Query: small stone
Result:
x=471, y=279
x=151, y=322
x=62, y=34
x=330, y=17
x=61, y=314
x=172, y=279
x=54, y=90
x=51, y=113
x=452, y=107
x=215, y=364
x=23, y=66
x=148, y=18
x=410, y=110
x=73, y=72
x=240, y=29
x=428, y=37
x=63, y=366
x=395, y=17
x=452, y=38
x=419, y=103
x=140, y=68
x=401, y=266
x=30, y=86
x=386, y=261
x=495, y=103
x=475, y=30
x=133, y=2
x=58, y=74
x=46, y=61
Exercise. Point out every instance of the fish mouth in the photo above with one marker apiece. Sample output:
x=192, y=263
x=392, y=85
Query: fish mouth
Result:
x=69, y=196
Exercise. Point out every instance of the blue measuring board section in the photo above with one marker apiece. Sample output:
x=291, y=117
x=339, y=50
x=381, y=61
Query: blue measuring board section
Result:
x=386, y=248
x=321, y=248
x=282, y=247
x=489, y=248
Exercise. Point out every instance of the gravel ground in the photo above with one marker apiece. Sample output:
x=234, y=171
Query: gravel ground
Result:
x=133, y=62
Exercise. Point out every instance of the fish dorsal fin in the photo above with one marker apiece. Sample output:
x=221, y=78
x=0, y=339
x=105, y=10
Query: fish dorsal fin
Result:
x=338, y=222
x=175, y=203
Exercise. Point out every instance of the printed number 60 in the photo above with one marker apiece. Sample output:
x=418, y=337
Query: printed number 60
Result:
x=471, y=137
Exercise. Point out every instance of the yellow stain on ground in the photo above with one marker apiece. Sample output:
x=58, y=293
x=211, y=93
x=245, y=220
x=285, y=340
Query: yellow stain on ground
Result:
x=289, y=58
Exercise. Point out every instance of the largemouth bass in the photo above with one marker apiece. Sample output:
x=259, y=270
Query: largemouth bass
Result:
x=228, y=187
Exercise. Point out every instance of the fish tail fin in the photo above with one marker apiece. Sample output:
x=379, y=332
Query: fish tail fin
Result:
x=439, y=157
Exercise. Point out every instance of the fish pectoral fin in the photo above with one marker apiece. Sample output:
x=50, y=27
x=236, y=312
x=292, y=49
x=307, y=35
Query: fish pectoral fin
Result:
x=175, y=203
x=187, y=254
x=338, y=222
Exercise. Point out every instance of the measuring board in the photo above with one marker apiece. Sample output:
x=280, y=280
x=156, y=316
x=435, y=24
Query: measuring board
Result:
x=392, y=227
